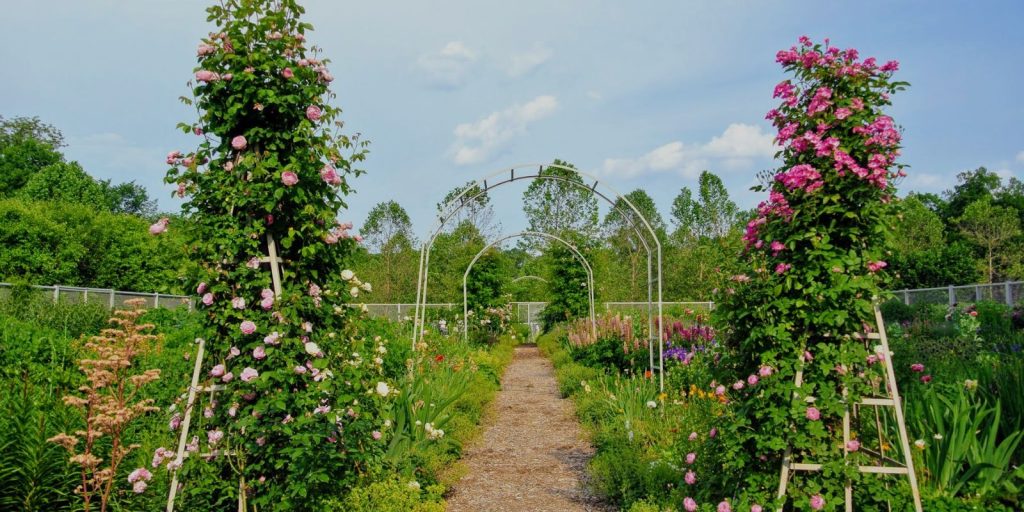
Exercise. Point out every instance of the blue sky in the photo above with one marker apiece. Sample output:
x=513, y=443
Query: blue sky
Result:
x=644, y=94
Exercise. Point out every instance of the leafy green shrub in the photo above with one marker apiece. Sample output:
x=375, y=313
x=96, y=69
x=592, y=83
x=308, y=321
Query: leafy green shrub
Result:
x=894, y=310
x=389, y=495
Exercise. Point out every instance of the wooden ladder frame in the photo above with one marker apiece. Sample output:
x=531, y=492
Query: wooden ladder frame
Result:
x=906, y=467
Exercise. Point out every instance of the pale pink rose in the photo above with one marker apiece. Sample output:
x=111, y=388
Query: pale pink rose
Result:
x=756, y=508
x=287, y=73
x=314, y=290
x=738, y=385
x=259, y=352
x=690, y=478
x=249, y=374
x=330, y=176
x=752, y=380
x=260, y=441
x=289, y=178
x=214, y=436
x=175, y=422
x=331, y=238
x=234, y=352
x=253, y=263
x=691, y=458
x=689, y=505
x=267, y=303
x=813, y=414
x=273, y=338
x=720, y=391
x=217, y=371
x=228, y=377
x=227, y=77
x=693, y=436
x=139, y=487
x=300, y=369
x=376, y=435
x=173, y=157
x=159, y=226
x=207, y=412
x=238, y=142
x=765, y=371
x=238, y=303
x=138, y=474
x=358, y=238
x=724, y=507
x=205, y=49
x=247, y=327
x=229, y=165
x=206, y=76
x=303, y=62
x=198, y=130
x=207, y=299
x=267, y=293
x=313, y=113
x=853, y=445
x=181, y=190
x=817, y=502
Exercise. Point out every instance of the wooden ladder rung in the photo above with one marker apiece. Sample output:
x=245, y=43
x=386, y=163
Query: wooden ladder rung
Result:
x=878, y=401
x=869, y=336
x=890, y=470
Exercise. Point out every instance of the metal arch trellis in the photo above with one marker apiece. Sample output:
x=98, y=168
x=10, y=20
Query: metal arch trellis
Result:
x=654, y=297
x=521, y=278
x=576, y=252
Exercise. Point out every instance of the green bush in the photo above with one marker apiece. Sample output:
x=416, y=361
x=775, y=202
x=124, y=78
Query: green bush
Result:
x=389, y=496
x=895, y=311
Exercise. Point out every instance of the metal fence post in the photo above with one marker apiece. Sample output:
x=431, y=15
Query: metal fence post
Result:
x=906, y=297
x=1008, y=292
x=156, y=300
x=952, y=295
x=111, y=299
x=56, y=294
x=977, y=293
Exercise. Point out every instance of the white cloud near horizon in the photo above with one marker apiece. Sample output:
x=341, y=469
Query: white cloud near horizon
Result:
x=478, y=141
x=448, y=68
x=523, y=63
x=736, y=148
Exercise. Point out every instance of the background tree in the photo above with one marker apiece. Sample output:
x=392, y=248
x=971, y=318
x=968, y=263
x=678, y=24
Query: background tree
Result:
x=972, y=186
x=629, y=262
x=478, y=211
x=66, y=182
x=567, y=285
x=27, y=145
x=558, y=206
x=130, y=198
x=487, y=281
x=387, y=235
x=990, y=227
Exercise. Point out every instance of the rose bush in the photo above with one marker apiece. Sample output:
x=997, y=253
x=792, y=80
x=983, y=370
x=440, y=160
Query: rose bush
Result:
x=816, y=255
x=301, y=405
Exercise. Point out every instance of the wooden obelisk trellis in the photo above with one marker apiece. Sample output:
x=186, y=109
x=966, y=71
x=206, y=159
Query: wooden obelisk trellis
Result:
x=194, y=388
x=885, y=465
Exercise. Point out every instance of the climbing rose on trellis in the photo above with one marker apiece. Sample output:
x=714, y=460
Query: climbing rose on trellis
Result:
x=295, y=420
x=816, y=252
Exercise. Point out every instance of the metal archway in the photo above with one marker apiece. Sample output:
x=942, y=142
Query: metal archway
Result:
x=509, y=176
x=520, y=278
x=576, y=252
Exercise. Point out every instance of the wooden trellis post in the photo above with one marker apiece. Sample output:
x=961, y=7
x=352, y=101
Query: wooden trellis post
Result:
x=885, y=465
x=194, y=389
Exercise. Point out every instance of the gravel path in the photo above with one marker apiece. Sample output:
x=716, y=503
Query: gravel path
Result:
x=532, y=458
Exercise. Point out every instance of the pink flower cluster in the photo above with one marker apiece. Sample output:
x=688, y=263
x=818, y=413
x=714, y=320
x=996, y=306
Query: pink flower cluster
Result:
x=802, y=176
x=139, y=478
x=330, y=176
x=340, y=232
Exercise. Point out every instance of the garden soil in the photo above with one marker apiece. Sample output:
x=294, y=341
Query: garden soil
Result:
x=533, y=456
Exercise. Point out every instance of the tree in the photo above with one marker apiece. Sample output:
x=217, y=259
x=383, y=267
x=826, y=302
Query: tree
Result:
x=561, y=203
x=567, y=285
x=66, y=182
x=919, y=228
x=990, y=227
x=20, y=160
x=620, y=228
x=712, y=215
x=388, y=236
x=684, y=215
x=972, y=187
x=21, y=129
x=477, y=211
x=130, y=198
x=486, y=282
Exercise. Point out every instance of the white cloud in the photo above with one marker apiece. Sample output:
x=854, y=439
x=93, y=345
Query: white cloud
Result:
x=523, y=63
x=736, y=148
x=1020, y=157
x=476, y=142
x=449, y=68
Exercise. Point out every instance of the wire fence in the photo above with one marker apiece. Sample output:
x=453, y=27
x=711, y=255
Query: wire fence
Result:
x=104, y=296
x=1009, y=293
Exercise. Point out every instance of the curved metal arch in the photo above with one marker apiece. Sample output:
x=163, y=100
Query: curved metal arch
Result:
x=576, y=252
x=483, y=187
x=520, y=278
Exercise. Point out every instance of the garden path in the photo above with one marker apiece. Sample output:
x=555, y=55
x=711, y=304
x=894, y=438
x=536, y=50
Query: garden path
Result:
x=533, y=457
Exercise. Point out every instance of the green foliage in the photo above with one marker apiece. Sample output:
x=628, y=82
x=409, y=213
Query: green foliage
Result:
x=567, y=286
x=559, y=202
x=389, y=495
x=989, y=227
x=66, y=182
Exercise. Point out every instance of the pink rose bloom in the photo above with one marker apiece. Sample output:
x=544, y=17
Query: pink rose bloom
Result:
x=173, y=157
x=273, y=338
x=330, y=176
x=300, y=369
x=228, y=377
x=208, y=412
x=289, y=178
x=260, y=441
x=238, y=303
x=713, y=433
x=376, y=435
x=214, y=436
x=217, y=371
x=139, y=487
x=206, y=76
x=926, y=379
x=238, y=142
x=917, y=367
x=693, y=436
x=249, y=374
x=175, y=422
x=817, y=502
x=689, y=505
x=208, y=299
x=228, y=166
x=691, y=457
x=287, y=73
x=755, y=508
x=205, y=49
x=813, y=414
x=159, y=226
x=765, y=371
x=842, y=113
x=808, y=357
x=233, y=352
x=738, y=385
x=313, y=113
x=690, y=478
x=267, y=303
x=720, y=391
x=853, y=445
x=781, y=268
x=358, y=239
x=777, y=247
x=247, y=327
x=752, y=380
x=139, y=474
x=253, y=263
x=875, y=266
x=259, y=353
x=724, y=507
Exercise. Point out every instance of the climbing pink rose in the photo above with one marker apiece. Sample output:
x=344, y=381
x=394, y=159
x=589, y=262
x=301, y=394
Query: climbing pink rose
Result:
x=228, y=377
x=813, y=414
x=752, y=380
x=713, y=433
x=259, y=353
x=238, y=142
x=690, y=478
x=233, y=352
x=781, y=268
x=247, y=327
x=287, y=73
x=300, y=369
x=817, y=502
x=238, y=303
x=917, y=367
x=330, y=176
x=689, y=504
x=724, y=507
x=693, y=436
x=853, y=445
x=248, y=374
x=207, y=299
x=313, y=113
x=206, y=76
x=765, y=371
x=172, y=157
x=159, y=226
x=738, y=385
x=875, y=266
x=720, y=391
x=289, y=178
x=217, y=371
x=267, y=302
x=926, y=379
x=214, y=436
x=376, y=435
x=755, y=508
x=273, y=338
x=205, y=49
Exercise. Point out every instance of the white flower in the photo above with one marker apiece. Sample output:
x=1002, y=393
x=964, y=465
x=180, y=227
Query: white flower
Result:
x=970, y=384
x=383, y=389
x=347, y=274
x=367, y=287
x=920, y=444
x=354, y=291
x=312, y=348
x=937, y=437
x=652, y=404
x=381, y=348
